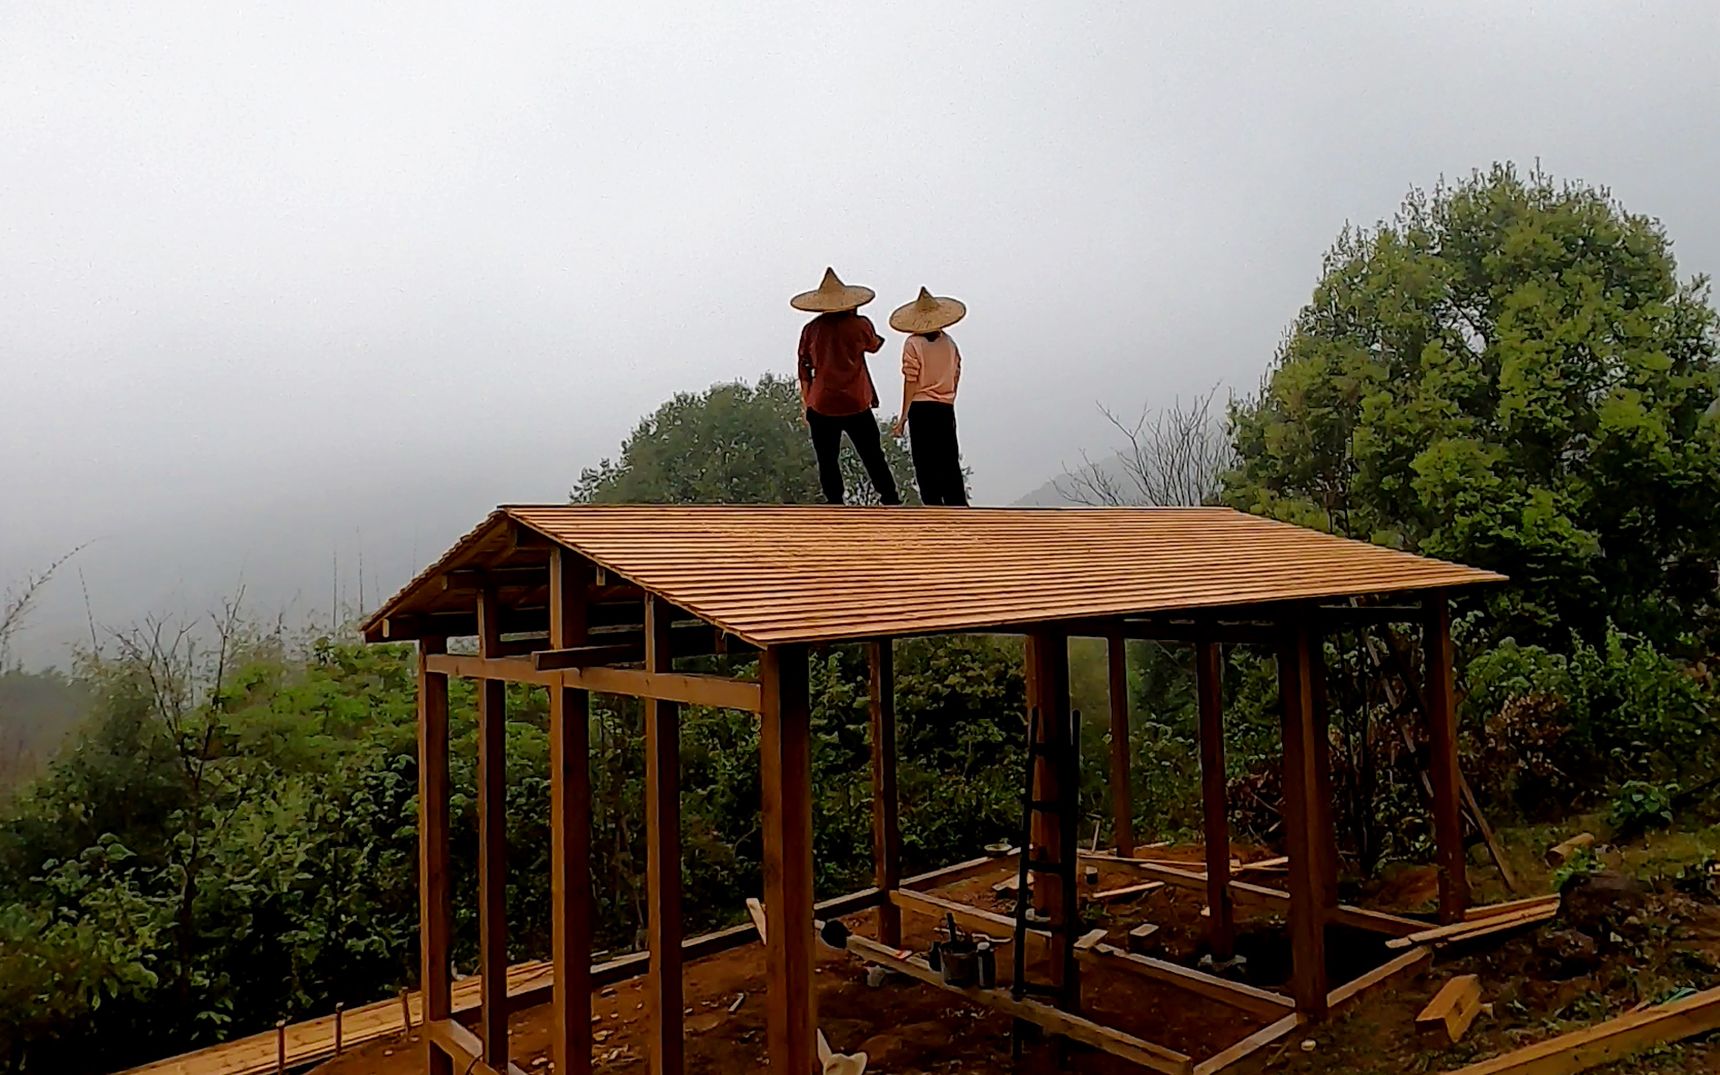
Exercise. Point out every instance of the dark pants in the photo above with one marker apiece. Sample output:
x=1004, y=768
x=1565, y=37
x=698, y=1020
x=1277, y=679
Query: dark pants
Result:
x=862, y=430
x=937, y=459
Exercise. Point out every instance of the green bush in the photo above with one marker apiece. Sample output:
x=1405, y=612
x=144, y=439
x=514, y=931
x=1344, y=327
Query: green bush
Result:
x=1640, y=805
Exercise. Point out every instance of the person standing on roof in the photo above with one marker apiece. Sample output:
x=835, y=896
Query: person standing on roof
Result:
x=931, y=370
x=836, y=387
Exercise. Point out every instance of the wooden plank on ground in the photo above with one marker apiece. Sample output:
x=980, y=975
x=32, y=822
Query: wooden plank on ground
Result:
x=1448, y=1015
x=1148, y=1055
x=1493, y=910
x=1413, y=962
x=1250, y=1045
x=969, y=918
x=1459, y=931
x=1612, y=1040
x=1126, y=891
x=1234, y=994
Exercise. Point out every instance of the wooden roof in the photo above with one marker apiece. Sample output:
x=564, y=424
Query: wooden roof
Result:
x=806, y=574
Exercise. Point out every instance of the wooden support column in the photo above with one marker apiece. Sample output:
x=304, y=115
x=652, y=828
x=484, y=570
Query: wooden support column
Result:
x=785, y=779
x=435, y=903
x=1323, y=828
x=492, y=844
x=1122, y=798
x=1209, y=688
x=1307, y=899
x=570, y=825
x=886, y=822
x=1048, y=692
x=1439, y=691
x=664, y=927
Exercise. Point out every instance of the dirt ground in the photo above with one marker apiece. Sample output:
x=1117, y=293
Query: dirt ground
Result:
x=907, y=1027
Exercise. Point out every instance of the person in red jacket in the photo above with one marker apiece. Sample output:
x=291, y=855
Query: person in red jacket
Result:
x=836, y=387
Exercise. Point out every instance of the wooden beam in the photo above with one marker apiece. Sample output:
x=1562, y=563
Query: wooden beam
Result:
x=961, y=871
x=435, y=889
x=492, y=843
x=1449, y=1014
x=663, y=990
x=1000, y=928
x=1439, y=693
x=571, y=910
x=1307, y=898
x=1242, y=997
x=474, y=579
x=1609, y=1041
x=886, y=822
x=1235, y=634
x=682, y=687
x=1122, y=800
x=1413, y=962
x=1250, y=1045
x=1492, y=910
x=1336, y=616
x=587, y=656
x=457, y=1044
x=1115, y=1042
x=785, y=777
x=1209, y=689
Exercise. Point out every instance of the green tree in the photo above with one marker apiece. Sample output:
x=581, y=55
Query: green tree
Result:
x=730, y=444
x=1509, y=373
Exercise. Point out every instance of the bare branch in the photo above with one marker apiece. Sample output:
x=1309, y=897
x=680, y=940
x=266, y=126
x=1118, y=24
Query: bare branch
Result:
x=1172, y=457
x=17, y=603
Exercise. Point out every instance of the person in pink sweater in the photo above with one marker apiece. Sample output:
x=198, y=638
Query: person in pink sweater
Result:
x=931, y=371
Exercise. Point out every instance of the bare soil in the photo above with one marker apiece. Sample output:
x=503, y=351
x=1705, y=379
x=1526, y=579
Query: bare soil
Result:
x=907, y=1027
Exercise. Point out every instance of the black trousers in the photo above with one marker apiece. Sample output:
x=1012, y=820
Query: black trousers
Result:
x=937, y=459
x=862, y=430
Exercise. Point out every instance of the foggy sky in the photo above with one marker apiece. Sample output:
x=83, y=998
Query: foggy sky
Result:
x=284, y=284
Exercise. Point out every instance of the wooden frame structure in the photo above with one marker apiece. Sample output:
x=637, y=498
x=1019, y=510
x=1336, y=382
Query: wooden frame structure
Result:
x=555, y=598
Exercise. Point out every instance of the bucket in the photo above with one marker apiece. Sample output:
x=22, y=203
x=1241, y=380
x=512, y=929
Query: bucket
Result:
x=961, y=963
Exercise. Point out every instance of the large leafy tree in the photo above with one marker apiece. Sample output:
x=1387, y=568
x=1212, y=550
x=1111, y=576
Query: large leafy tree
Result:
x=733, y=443
x=1509, y=373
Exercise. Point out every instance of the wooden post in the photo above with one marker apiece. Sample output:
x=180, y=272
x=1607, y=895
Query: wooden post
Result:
x=1307, y=899
x=1209, y=687
x=1122, y=797
x=1323, y=829
x=405, y=1011
x=492, y=844
x=570, y=825
x=1048, y=691
x=435, y=903
x=1442, y=758
x=785, y=778
x=886, y=822
x=664, y=928
x=339, y=1010
x=281, y=1047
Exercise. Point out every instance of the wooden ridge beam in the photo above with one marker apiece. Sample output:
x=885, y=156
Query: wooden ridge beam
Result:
x=1075, y=1028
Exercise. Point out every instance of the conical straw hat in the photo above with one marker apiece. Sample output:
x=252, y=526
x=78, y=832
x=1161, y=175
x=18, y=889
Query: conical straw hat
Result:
x=928, y=313
x=833, y=296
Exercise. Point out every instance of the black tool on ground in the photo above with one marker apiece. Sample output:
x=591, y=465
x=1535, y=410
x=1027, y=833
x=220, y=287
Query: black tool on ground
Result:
x=1061, y=751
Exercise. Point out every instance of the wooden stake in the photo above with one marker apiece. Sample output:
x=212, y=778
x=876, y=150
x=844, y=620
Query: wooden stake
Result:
x=663, y=855
x=1307, y=898
x=570, y=825
x=886, y=826
x=406, y=1011
x=1442, y=759
x=435, y=902
x=1209, y=687
x=338, y=1012
x=785, y=778
x=492, y=845
x=1122, y=795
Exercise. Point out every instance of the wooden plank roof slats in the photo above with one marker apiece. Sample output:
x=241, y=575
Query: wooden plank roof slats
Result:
x=772, y=575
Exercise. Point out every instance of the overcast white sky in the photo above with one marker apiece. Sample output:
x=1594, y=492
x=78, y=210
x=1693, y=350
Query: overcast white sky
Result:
x=284, y=282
